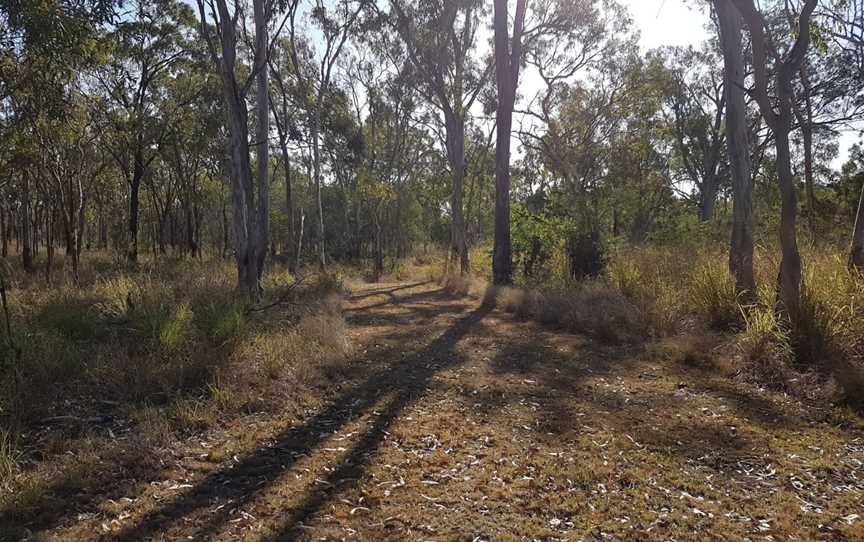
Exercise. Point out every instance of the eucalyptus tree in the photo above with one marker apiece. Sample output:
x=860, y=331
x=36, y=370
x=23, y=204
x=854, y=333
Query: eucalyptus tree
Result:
x=250, y=194
x=778, y=114
x=149, y=38
x=439, y=41
x=560, y=38
x=730, y=24
x=697, y=101
x=70, y=163
x=334, y=24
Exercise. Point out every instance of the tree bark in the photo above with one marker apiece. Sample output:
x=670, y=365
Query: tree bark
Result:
x=780, y=121
x=805, y=121
x=856, y=250
x=134, y=197
x=455, y=139
x=316, y=173
x=741, y=247
x=26, y=241
x=508, y=55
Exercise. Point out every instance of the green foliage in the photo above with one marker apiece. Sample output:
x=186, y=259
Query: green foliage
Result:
x=712, y=294
x=222, y=320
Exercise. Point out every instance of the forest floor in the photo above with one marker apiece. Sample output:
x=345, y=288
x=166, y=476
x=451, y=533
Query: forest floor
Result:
x=453, y=421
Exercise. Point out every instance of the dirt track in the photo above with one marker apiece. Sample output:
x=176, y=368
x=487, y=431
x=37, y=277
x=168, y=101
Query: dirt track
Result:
x=456, y=422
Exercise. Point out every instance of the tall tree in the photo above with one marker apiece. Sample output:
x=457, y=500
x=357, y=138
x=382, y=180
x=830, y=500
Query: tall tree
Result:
x=738, y=149
x=250, y=194
x=336, y=24
x=508, y=58
x=147, y=43
x=440, y=41
x=778, y=114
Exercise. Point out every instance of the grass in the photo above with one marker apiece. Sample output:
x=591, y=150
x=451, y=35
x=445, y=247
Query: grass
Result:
x=167, y=346
x=513, y=428
x=649, y=294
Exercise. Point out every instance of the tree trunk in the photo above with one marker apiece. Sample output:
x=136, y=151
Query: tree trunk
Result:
x=316, y=169
x=455, y=128
x=300, y=239
x=26, y=241
x=805, y=120
x=741, y=247
x=134, y=196
x=710, y=186
x=856, y=250
x=250, y=214
x=4, y=239
x=289, y=201
x=507, y=81
x=790, y=264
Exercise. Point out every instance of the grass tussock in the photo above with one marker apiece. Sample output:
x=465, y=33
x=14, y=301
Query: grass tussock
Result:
x=593, y=309
x=464, y=285
x=666, y=294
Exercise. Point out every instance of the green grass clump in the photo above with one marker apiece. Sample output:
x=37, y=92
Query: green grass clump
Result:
x=713, y=297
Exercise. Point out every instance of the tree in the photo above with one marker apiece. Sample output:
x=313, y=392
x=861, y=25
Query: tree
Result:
x=147, y=45
x=778, y=114
x=250, y=195
x=508, y=58
x=336, y=25
x=737, y=133
x=439, y=40
x=698, y=103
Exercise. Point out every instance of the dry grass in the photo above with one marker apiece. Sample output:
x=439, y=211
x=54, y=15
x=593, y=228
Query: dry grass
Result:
x=168, y=347
x=592, y=308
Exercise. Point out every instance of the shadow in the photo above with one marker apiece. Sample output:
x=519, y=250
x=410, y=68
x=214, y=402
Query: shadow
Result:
x=387, y=291
x=404, y=380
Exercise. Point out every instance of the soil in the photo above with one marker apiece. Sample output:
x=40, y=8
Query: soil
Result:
x=454, y=421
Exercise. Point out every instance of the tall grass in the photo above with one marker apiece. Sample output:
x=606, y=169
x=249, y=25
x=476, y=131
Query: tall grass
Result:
x=652, y=292
x=154, y=334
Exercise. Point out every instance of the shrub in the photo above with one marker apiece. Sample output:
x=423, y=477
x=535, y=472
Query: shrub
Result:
x=222, y=321
x=591, y=308
x=72, y=315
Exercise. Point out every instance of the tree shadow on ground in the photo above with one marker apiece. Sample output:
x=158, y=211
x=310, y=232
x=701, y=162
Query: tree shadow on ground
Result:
x=398, y=383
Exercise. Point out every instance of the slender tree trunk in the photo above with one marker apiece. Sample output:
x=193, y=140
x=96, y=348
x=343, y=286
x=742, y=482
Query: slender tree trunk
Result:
x=4, y=233
x=289, y=200
x=300, y=239
x=262, y=136
x=856, y=250
x=790, y=263
x=806, y=123
x=26, y=242
x=507, y=80
x=455, y=128
x=316, y=169
x=134, y=203
x=741, y=247
x=49, y=249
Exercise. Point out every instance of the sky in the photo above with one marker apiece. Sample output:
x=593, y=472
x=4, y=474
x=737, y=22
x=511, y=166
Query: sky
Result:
x=673, y=22
x=667, y=22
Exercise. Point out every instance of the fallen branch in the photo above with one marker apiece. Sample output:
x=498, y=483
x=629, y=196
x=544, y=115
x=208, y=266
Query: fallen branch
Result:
x=284, y=299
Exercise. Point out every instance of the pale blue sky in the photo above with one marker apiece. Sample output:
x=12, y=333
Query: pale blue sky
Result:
x=676, y=22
